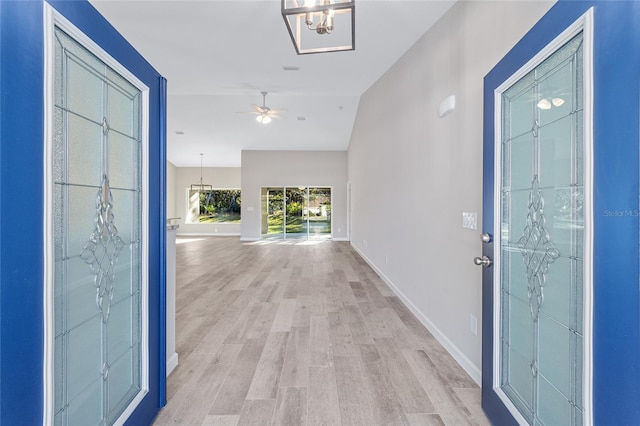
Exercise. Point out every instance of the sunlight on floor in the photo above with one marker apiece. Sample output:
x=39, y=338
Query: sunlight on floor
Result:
x=182, y=240
x=286, y=242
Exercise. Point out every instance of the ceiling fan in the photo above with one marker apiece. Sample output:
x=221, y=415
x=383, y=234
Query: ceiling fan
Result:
x=264, y=113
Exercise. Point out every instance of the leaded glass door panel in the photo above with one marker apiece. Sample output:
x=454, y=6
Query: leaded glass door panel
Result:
x=536, y=341
x=97, y=237
x=541, y=240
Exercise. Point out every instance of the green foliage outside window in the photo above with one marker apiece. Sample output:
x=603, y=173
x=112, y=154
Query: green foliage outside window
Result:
x=220, y=206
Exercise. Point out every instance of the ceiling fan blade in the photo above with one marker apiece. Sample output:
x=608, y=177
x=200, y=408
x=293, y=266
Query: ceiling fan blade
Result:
x=259, y=109
x=278, y=111
x=273, y=114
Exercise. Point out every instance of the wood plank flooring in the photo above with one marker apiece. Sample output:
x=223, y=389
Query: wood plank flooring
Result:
x=303, y=333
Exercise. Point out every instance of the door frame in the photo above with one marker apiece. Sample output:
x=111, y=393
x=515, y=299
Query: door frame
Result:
x=22, y=249
x=53, y=19
x=509, y=70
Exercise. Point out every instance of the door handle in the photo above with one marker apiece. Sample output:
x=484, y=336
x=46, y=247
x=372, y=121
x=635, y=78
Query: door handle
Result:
x=484, y=261
x=485, y=237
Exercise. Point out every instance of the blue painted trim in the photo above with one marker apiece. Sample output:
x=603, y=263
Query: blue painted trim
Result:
x=22, y=244
x=616, y=332
x=0, y=213
x=616, y=135
x=163, y=245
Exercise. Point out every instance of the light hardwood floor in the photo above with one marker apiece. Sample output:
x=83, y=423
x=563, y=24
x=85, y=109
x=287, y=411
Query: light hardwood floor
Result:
x=303, y=334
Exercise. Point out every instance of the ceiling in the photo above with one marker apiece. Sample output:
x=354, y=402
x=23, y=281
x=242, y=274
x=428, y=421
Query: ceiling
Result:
x=219, y=55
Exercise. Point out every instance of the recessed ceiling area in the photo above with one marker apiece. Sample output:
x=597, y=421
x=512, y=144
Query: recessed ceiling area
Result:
x=219, y=55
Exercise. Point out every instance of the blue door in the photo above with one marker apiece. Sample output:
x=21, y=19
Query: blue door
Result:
x=81, y=220
x=560, y=221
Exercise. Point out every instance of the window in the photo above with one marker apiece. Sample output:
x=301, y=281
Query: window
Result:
x=215, y=206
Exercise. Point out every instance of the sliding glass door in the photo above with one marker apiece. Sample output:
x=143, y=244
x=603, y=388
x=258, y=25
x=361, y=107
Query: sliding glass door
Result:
x=319, y=215
x=272, y=212
x=296, y=212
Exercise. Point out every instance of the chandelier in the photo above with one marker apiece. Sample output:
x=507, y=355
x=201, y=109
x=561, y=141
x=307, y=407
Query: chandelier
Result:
x=201, y=186
x=319, y=26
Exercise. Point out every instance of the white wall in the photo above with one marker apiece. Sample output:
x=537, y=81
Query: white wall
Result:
x=413, y=173
x=219, y=178
x=171, y=190
x=293, y=168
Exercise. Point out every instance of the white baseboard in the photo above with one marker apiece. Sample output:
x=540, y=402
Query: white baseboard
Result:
x=340, y=239
x=249, y=239
x=172, y=363
x=456, y=353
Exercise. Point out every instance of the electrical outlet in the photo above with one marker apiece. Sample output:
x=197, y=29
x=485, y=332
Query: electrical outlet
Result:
x=386, y=258
x=365, y=243
x=473, y=325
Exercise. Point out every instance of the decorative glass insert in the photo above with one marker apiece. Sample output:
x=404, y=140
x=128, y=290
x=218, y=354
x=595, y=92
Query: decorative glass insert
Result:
x=102, y=250
x=542, y=240
x=97, y=238
x=538, y=251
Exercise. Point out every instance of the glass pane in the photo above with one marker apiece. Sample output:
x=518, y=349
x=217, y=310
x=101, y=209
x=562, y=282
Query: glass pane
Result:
x=555, y=408
x=84, y=91
x=123, y=153
x=121, y=111
x=518, y=108
x=58, y=145
x=80, y=214
x=520, y=157
x=86, y=409
x=555, y=94
x=320, y=212
x=554, y=354
x=273, y=213
x=217, y=206
x=124, y=212
x=520, y=328
x=557, y=291
x=555, y=153
x=84, y=155
x=541, y=241
x=193, y=214
x=297, y=225
x=124, y=105
x=97, y=232
x=84, y=357
x=520, y=381
x=80, y=293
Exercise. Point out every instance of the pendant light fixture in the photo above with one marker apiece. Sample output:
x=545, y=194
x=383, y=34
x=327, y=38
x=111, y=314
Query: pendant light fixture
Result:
x=319, y=26
x=201, y=186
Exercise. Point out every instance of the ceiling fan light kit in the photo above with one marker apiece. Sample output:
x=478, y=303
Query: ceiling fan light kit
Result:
x=263, y=119
x=265, y=114
x=320, y=26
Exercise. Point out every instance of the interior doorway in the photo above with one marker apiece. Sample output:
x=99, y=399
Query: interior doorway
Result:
x=302, y=212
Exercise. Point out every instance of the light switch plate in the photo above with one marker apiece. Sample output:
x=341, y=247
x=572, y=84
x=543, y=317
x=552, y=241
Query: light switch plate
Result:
x=470, y=220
